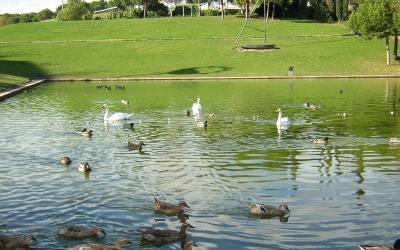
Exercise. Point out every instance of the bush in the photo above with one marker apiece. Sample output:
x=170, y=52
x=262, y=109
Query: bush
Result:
x=211, y=12
x=3, y=21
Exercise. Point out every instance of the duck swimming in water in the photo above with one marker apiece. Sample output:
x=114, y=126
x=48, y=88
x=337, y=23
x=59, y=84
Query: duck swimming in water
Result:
x=65, y=160
x=396, y=245
x=79, y=231
x=120, y=243
x=132, y=146
x=321, y=141
x=168, y=208
x=9, y=241
x=164, y=235
x=84, y=167
x=268, y=210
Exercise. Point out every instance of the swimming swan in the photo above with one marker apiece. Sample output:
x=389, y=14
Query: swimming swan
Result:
x=282, y=122
x=116, y=116
x=196, y=108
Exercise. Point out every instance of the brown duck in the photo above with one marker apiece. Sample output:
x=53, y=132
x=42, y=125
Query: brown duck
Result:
x=168, y=208
x=268, y=210
x=79, y=231
x=165, y=235
x=12, y=241
x=188, y=245
x=132, y=146
x=120, y=243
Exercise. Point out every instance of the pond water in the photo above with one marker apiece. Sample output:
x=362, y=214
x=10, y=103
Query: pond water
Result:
x=340, y=195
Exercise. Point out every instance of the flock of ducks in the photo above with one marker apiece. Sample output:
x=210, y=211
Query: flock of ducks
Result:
x=166, y=236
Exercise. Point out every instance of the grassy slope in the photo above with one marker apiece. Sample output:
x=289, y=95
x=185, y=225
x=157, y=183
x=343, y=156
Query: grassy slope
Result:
x=197, y=46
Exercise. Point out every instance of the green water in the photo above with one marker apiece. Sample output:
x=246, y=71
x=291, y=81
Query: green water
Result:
x=340, y=195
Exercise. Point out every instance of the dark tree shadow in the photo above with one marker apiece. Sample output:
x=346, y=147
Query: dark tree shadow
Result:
x=13, y=69
x=200, y=70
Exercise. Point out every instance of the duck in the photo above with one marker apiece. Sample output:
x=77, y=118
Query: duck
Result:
x=80, y=131
x=187, y=112
x=116, y=116
x=124, y=101
x=396, y=245
x=129, y=125
x=132, y=146
x=165, y=235
x=86, y=133
x=393, y=140
x=12, y=241
x=120, y=243
x=196, y=108
x=321, y=141
x=268, y=210
x=201, y=124
x=79, y=231
x=84, y=167
x=282, y=122
x=211, y=115
x=188, y=245
x=66, y=160
x=168, y=208
x=313, y=107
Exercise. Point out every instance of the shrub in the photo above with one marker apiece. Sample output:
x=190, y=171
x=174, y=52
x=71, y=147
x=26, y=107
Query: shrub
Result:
x=3, y=21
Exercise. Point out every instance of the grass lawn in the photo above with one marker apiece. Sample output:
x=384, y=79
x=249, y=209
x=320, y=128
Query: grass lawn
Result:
x=190, y=46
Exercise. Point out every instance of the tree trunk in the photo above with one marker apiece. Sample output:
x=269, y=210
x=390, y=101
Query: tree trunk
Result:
x=247, y=8
x=395, y=45
x=273, y=11
x=222, y=9
x=387, y=50
x=266, y=17
x=144, y=10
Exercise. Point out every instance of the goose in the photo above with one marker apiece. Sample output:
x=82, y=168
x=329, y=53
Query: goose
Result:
x=396, y=245
x=116, y=116
x=394, y=140
x=132, y=146
x=66, y=160
x=188, y=245
x=120, y=243
x=321, y=141
x=268, y=210
x=79, y=231
x=168, y=208
x=12, y=241
x=165, y=235
x=84, y=167
x=282, y=122
x=196, y=108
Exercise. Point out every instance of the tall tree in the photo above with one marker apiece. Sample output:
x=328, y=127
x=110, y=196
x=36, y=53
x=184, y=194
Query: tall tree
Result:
x=374, y=18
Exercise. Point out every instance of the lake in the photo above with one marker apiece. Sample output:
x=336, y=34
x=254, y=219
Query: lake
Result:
x=340, y=194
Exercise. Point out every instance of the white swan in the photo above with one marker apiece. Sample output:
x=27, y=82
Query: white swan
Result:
x=282, y=122
x=116, y=116
x=196, y=108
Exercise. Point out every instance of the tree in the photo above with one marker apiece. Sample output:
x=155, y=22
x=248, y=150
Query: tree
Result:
x=75, y=10
x=374, y=18
x=44, y=14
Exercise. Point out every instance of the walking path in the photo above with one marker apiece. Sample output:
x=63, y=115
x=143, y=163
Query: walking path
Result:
x=19, y=89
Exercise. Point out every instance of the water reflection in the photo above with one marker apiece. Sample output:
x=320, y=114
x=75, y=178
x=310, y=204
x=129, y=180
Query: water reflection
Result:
x=339, y=193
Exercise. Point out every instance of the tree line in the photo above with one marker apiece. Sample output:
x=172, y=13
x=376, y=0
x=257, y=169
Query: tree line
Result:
x=318, y=10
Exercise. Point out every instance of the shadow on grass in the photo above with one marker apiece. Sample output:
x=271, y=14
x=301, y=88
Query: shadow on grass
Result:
x=200, y=70
x=14, y=73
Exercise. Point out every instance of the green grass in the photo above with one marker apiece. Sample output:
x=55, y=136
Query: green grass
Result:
x=191, y=46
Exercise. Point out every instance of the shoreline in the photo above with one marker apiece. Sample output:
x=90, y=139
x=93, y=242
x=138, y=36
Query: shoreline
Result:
x=24, y=87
